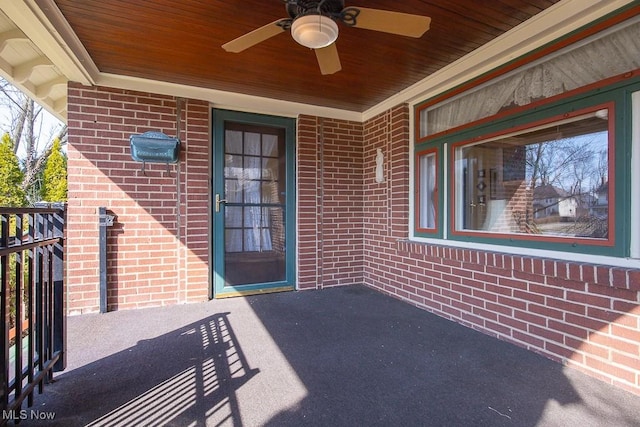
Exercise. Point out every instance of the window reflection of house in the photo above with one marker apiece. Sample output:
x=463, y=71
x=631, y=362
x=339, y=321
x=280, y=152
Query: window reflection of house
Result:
x=549, y=201
x=600, y=208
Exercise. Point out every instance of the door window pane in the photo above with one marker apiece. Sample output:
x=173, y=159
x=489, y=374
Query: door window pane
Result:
x=270, y=145
x=233, y=216
x=252, y=143
x=233, y=141
x=254, y=211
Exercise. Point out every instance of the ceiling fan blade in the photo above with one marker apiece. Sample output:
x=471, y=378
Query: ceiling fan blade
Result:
x=328, y=59
x=403, y=24
x=254, y=37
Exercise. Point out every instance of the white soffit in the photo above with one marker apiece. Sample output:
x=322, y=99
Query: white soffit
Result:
x=26, y=67
x=34, y=57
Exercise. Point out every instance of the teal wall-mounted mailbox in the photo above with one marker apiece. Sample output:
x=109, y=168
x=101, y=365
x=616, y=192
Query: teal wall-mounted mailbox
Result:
x=154, y=147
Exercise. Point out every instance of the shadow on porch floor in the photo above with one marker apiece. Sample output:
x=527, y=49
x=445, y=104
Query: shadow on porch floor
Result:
x=339, y=357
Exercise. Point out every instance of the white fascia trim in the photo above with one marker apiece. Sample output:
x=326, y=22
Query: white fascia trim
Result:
x=557, y=21
x=34, y=18
x=635, y=175
x=225, y=100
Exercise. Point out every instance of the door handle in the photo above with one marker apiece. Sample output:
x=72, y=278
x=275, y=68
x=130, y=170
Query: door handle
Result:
x=218, y=201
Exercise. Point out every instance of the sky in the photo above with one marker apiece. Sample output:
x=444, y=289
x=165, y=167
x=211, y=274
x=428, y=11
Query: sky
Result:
x=47, y=127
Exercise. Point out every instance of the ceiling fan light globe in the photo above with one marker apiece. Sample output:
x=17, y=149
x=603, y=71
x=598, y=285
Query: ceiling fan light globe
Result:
x=314, y=31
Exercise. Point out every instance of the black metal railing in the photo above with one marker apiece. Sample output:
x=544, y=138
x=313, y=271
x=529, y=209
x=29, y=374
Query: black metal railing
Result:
x=32, y=303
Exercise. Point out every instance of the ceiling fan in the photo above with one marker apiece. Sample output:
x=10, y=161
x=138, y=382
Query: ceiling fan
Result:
x=313, y=25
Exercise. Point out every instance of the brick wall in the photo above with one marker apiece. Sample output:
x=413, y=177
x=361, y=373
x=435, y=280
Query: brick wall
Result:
x=586, y=316
x=158, y=248
x=330, y=202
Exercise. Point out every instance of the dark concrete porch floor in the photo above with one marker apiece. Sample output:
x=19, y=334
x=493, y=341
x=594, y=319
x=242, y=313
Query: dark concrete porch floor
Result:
x=339, y=357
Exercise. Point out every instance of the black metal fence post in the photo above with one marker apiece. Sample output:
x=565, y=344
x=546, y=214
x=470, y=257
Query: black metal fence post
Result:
x=4, y=313
x=59, y=306
x=102, y=214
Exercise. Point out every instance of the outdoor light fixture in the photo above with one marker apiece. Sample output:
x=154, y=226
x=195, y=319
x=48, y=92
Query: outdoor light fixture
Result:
x=314, y=31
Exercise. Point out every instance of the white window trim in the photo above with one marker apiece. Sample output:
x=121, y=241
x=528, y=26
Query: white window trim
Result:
x=635, y=175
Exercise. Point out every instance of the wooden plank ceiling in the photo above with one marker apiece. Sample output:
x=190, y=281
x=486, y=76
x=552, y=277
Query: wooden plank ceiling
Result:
x=180, y=42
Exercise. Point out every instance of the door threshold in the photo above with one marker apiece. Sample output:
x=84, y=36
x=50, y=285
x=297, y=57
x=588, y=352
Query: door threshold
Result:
x=232, y=294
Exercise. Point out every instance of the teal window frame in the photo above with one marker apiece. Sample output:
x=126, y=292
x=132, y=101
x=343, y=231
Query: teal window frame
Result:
x=615, y=94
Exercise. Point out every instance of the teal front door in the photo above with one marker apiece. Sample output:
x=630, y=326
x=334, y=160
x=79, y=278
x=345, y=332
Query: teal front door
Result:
x=253, y=204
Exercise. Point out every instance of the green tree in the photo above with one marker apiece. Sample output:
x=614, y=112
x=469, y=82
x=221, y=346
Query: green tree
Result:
x=26, y=122
x=11, y=177
x=54, y=176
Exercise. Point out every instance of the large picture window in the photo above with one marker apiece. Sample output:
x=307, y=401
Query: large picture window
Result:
x=555, y=178
x=536, y=157
x=549, y=180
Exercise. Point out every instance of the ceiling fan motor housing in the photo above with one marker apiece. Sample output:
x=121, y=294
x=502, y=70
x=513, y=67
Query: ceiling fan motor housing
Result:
x=331, y=8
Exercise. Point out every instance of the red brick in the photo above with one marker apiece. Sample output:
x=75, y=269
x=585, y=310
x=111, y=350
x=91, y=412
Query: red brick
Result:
x=586, y=322
x=603, y=275
x=617, y=293
x=517, y=283
x=538, y=266
x=564, y=305
x=591, y=348
x=588, y=299
x=511, y=302
x=546, y=290
x=547, y=334
x=528, y=339
x=566, y=284
x=632, y=362
x=619, y=372
x=500, y=329
x=566, y=328
x=619, y=278
x=558, y=350
x=530, y=318
x=546, y=311
x=512, y=283
x=634, y=279
x=574, y=272
x=627, y=332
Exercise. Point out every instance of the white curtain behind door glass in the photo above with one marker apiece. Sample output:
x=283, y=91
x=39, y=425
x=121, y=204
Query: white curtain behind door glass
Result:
x=245, y=174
